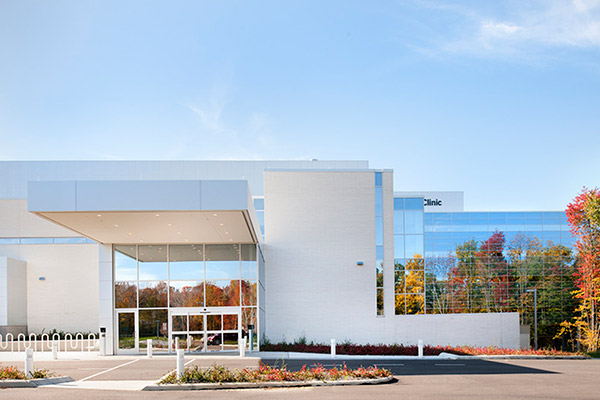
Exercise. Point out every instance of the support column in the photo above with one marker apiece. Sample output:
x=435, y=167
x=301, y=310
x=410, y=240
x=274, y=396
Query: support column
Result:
x=105, y=293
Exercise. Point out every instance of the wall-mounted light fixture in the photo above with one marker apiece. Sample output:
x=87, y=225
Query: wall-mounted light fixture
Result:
x=359, y=263
x=42, y=278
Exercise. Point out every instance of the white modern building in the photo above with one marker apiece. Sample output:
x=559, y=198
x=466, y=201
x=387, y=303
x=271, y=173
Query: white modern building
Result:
x=205, y=251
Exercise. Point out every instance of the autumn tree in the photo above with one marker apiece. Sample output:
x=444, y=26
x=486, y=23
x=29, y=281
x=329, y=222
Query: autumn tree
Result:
x=584, y=217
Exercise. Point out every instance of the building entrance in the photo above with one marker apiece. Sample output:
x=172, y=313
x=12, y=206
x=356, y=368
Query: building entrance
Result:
x=205, y=330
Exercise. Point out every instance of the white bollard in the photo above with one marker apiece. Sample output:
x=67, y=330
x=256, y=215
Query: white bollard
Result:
x=149, y=348
x=332, y=347
x=102, y=344
x=420, y=344
x=242, y=346
x=54, y=350
x=180, y=363
x=29, y=363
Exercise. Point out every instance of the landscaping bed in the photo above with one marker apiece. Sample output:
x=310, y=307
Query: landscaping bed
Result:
x=402, y=350
x=12, y=377
x=220, y=377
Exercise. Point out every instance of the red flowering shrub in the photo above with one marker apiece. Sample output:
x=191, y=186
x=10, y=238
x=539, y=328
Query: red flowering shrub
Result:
x=402, y=350
x=265, y=373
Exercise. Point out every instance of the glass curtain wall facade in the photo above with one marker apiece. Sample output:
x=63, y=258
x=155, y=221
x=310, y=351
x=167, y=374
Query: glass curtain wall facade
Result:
x=153, y=279
x=469, y=262
x=409, y=265
x=379, y=241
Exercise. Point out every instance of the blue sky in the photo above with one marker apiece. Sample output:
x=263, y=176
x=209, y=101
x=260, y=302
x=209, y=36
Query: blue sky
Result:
x=500, y=99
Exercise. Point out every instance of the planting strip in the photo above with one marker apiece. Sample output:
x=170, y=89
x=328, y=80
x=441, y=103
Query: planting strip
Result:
x=33, y=383
x=264, y=385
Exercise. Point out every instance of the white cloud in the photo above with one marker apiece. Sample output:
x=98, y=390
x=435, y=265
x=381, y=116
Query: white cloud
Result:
x=221, y=138
x=527, y=28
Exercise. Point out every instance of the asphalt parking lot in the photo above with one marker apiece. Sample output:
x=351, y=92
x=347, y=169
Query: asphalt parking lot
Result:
x=416, y=379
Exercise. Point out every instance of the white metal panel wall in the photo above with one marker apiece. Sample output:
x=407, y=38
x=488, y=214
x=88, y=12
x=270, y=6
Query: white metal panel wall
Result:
x=16, y=290
x=17, y=222
x=318, y=226
x=67, y=299
x=14, y=175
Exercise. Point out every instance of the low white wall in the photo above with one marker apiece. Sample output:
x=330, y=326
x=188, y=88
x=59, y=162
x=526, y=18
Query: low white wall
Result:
x=479, y=329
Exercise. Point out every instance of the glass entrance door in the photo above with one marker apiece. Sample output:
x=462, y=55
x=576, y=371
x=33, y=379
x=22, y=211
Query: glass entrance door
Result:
x=127, y=332
x=204, y=331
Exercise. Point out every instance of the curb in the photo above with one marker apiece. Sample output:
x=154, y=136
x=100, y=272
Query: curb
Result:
x=523, y=357
x=33, y=383
x=265, y=385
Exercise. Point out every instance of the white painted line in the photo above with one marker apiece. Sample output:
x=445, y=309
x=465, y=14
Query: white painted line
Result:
x=450, y=365
x=108, y=370
x=388, y=365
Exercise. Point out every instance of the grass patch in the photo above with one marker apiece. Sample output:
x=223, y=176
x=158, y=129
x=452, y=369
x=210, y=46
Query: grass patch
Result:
x=11, y=372
x=265, y=373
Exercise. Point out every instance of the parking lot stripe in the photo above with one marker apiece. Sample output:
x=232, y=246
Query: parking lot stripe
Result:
x=108, y=370
x=450, y=365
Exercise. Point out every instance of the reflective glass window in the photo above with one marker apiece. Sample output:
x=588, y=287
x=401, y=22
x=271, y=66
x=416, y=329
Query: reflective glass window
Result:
x=413, y=222
x=413, y=203
x=152, y=262
x=378, y=179
x=379, y=201
x=186, y=294
x=413, y=245
x=398, y=203
x=379, y=231
x=398, y=222
x=152, y=294
x=71, y=240
x=223, y=261
x=248, y=289
x=259, y=204
x=125, y=294
x=125, y=263
x=36, y=241
x=398, y=246
x=378, y=251
x=221, y=293
x=186, y=262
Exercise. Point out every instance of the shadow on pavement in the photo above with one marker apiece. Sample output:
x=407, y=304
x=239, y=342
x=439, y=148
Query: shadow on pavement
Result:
x=418, y=367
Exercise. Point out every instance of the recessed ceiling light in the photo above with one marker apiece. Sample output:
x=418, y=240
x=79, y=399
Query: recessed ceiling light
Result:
x=221, y=224
x=99, y=215
x=130, y=233
x=141, y=240
x=157, y=215
x=169, y=224
x=227, y=233
x=116, y=226
x=179, y=233
x=215, y=215
x=187, y=240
